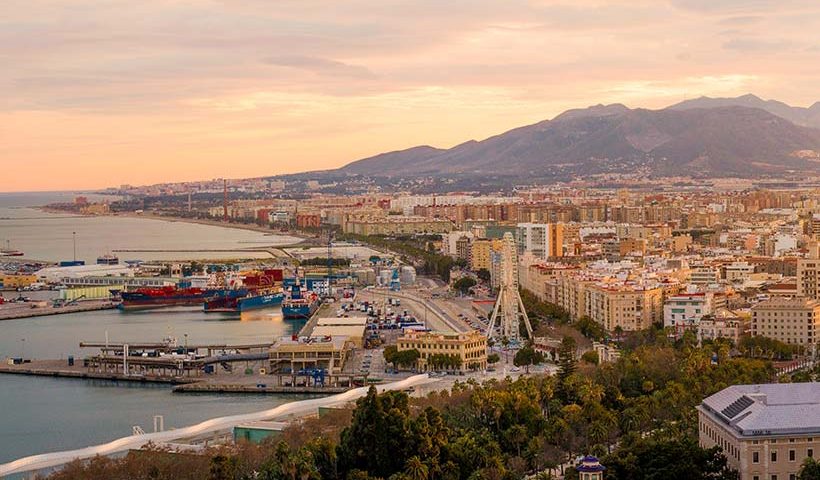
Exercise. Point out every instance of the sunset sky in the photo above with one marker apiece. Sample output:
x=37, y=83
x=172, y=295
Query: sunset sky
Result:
x=97, y=93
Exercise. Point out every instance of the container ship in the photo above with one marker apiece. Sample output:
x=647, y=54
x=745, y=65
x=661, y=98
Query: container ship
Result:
x=299, y=305
x=169, y=296
x=260, y=292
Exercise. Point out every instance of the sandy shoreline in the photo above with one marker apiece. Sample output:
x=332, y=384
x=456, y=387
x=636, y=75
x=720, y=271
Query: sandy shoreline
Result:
x=214, y=223
x=201, y=221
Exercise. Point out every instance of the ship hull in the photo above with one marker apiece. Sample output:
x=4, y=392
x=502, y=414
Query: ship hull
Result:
x=299, y=311
x=142, y=301
x=245, y=304
x=147, y=303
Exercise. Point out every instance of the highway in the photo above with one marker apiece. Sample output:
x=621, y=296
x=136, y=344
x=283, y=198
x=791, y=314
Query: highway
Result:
x=299, y=408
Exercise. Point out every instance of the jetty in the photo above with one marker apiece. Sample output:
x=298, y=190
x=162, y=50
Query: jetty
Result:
x=11, y=311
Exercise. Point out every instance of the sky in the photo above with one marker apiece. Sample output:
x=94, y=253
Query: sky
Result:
x=98, y=93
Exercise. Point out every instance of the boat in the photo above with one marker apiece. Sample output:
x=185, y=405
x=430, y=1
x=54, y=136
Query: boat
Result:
x=261, y=292
x=10, y=252
x=171, y=295
x=108, y=259
x=252, y=301
x=299, y=305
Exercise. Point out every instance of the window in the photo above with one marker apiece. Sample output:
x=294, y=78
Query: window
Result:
x=774, y=457
x=810, y=453
x=791, y=455
x=755, y=457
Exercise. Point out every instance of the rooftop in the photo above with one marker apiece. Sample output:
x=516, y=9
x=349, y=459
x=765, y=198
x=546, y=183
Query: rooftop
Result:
x=787, y=302
x=767, y=409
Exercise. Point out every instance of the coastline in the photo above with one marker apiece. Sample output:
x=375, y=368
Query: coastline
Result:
x=201, y=221
x=214, y=223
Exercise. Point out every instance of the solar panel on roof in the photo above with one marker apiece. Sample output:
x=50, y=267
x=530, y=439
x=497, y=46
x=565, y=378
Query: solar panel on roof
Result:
x=737, y=406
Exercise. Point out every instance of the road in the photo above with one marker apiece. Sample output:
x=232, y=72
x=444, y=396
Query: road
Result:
x=426, y=310
x=300, y=408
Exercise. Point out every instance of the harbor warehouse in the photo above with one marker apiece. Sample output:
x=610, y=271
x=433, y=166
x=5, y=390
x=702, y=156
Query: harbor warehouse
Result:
x=297, y=353
x=353, y=328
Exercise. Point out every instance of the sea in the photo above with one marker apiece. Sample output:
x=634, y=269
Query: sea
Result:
x=65, y=236
x=40, y=414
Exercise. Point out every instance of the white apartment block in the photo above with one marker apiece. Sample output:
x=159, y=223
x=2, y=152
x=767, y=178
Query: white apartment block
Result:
x=543, y=240
x=686, y=309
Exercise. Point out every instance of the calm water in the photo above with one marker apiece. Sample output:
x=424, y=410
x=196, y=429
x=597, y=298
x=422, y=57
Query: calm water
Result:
x=48, y=414
x=47, y=236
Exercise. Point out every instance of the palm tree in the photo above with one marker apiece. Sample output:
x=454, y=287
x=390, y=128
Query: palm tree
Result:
x=598, y=432
x=591, y=392
x=416, y=469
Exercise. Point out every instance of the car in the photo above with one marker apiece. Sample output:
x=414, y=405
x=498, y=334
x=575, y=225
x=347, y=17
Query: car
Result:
x=515, y=369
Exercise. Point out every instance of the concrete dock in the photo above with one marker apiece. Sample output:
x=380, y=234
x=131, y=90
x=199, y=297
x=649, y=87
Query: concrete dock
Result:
x=11, y=311
x=60, y=368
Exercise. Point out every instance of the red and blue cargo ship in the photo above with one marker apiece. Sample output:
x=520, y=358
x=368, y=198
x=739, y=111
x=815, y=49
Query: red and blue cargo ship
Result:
x=260, y=291
x=171, y=296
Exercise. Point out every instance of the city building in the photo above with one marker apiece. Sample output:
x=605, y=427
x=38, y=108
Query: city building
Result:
x=790, y=320
x=463, y=248
x=396, y=225
x=628, y=307
x=808, y=273
x=738, y=271
x=470, y=348
x=480, y=253
x=765, y=431
x=543, y=240
x=684, y=310
x=351, y=327
x=308, y=220
x=723, y=323
x=703, y=275
x=607, y=353
x=292, y=354
x=13, y=281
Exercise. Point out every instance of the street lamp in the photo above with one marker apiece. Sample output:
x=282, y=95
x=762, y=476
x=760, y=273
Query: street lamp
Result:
x=186, y=343
x=74, y=241
x=22, y=348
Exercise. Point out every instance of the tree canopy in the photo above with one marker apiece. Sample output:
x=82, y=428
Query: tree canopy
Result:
x=636, y=413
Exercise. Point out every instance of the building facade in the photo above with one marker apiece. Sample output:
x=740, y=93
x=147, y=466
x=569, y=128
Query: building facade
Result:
x=765, y=431
x=470, y=348
x=686, y=309
x=627, y=307
x=543, y=240
x=791, y=320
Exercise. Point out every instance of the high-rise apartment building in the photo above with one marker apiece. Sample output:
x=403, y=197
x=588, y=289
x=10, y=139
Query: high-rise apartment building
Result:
x=808, y=273
x=543, y=240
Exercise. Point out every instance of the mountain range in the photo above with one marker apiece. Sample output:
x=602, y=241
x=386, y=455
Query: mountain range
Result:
x=743, y=136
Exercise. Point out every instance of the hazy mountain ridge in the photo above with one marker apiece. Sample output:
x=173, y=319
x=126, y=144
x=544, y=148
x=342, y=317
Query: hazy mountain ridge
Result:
x=807, y=117
x=682, y=139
